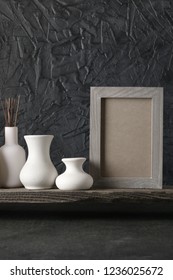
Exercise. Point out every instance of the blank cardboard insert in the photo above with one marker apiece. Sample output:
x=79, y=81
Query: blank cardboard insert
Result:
x=126, y=137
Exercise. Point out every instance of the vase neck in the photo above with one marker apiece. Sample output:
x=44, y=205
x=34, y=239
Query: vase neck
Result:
x=11, y=135
x=39, y=145
x=74, y=164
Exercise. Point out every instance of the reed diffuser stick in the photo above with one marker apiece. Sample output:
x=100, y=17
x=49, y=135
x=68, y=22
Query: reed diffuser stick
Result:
x=10, y=108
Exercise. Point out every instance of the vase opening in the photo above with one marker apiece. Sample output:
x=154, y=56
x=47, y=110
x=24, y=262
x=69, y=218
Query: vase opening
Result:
x=39, y=136
x=77, y=160
x=39, y=144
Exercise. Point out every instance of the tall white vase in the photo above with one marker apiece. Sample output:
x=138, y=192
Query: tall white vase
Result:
x=39, y=171
x=12, y=159
x=74, y=177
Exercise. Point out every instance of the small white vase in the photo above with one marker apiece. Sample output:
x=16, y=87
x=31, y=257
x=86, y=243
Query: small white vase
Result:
x=12, y=159
x=38, y=171
x=74, y=177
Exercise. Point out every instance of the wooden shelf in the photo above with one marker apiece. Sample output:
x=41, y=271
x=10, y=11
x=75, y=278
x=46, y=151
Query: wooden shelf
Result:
x=123, y=200
x=21, y=195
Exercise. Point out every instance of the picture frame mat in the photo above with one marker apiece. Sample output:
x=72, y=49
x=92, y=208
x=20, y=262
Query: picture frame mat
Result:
x=155, y=95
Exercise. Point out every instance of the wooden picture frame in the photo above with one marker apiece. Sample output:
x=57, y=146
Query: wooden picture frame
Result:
x=126, y=137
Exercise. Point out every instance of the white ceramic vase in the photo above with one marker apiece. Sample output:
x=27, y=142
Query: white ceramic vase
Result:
x=12, y=159
x=74, y=177
x=38, y=171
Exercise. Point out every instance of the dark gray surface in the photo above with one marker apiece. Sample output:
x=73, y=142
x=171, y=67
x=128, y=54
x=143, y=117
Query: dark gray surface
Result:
x=85, y=237
x=52, y=52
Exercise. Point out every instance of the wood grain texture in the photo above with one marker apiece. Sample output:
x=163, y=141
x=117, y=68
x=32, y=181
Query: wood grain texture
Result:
x=155, y=94
x=99, y=196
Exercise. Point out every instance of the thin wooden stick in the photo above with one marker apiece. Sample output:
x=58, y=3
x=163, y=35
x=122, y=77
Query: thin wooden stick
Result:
x=17, y=110
x=10, y=108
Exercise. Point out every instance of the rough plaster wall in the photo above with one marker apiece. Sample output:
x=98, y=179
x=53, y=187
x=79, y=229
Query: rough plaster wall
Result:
x=52, y=51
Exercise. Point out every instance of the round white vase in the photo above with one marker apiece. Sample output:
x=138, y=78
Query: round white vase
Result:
x=12, y=159
x=74, y=177
x=38, y=171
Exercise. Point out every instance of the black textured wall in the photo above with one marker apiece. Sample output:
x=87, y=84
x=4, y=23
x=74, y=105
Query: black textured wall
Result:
x=52, y=51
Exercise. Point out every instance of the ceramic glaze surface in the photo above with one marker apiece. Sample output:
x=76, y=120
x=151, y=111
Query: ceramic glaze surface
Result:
x=39, y=171
x=74, y=177
x=12, y=159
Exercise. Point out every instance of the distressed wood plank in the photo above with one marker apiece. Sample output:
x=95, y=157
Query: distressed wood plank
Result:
x=108, y=196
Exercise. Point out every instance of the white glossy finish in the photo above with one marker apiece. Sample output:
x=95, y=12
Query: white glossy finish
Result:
x=39, y=171
x=74, y=177
x=12, y=159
